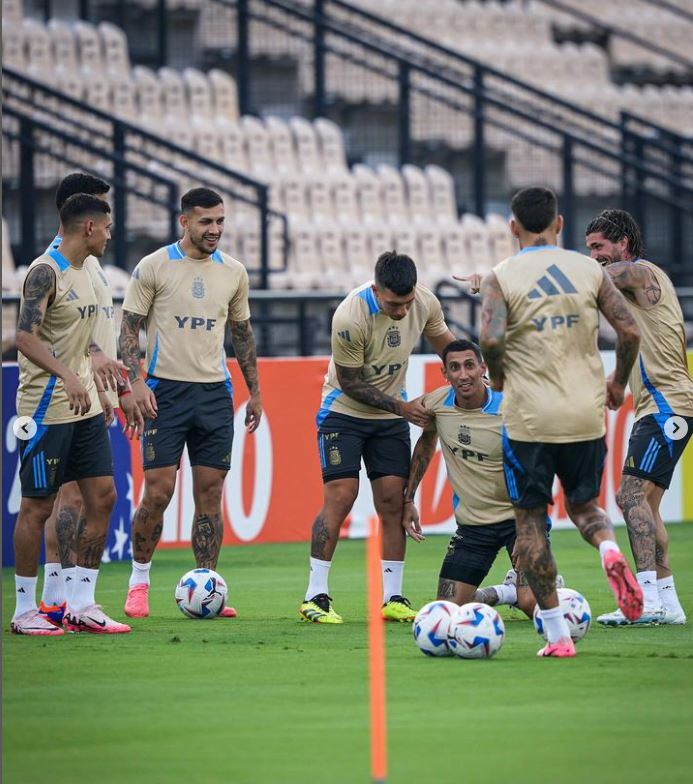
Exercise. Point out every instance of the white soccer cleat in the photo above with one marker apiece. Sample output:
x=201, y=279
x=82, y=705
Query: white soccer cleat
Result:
x=93, y=620
x=674, y=617
x=34, y=624
x=560, y=582
x=650, y=616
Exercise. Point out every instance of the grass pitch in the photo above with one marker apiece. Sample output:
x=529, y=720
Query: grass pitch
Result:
x=264, y=698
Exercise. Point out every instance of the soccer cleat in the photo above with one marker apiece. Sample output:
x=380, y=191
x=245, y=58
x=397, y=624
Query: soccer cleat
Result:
x=651, y=616
x=510, y=577
x=624, y=585
x=53, y=613
x=398, y=609
x=674, y=617
x=560, y=582
x=94, y=620
x=34, y=624
x=137, y=602
x=319, y=610
x=227, y=612
x=563, y=649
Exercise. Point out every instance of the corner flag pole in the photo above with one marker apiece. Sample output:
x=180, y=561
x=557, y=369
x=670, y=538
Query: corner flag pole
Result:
x=376, y=649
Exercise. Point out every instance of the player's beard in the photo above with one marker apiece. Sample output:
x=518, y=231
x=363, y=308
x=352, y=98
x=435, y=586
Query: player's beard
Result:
x=203, y=245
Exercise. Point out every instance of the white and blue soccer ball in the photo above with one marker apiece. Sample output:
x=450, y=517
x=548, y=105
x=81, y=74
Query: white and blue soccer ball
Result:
x=430, y=628
x=201, y=593
x=476, y=631
x=576, y=611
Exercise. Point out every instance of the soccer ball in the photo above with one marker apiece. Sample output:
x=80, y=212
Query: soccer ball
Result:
x=430, y=628
x=201, y=593
x=476, y=631
x=576, y=611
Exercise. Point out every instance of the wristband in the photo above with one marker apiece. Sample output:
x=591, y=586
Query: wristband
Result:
x=127, y=392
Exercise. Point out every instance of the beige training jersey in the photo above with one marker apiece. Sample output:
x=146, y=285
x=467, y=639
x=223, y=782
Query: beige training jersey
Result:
x=555, y=389
x=363, y=336
x=104, y=327
x=660, y=381
x=473, y=453
x=187, y=303
x=67, y=330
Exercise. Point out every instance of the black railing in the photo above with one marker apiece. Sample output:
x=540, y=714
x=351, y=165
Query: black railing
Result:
x=46, y=121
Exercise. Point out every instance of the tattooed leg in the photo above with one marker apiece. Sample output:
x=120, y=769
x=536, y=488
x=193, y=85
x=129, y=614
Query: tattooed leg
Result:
x=208, y=526
x=591, y=520
x=147, y=524
x=632, y=500
x=338, y=498
x=99, y=497
x=535, y=555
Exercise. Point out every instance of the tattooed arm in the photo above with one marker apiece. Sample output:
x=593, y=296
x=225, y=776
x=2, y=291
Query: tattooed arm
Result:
x=129, y=342
x=352, y=383
x=636, y=279
x=494, y=319
x=615, y=308
x=244, y=347
x=423, y=452
x=39, y=291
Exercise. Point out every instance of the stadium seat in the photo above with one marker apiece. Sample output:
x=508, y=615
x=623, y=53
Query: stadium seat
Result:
x=306, y=146
x=368, y=188
x=282, y=141
x=225, y=96
x=418, y=194
x=259, y=151
x=442, y=189
x=392, y=193
x=345, y=199
x=115, y=48
x=200, y=97
x=331, y=145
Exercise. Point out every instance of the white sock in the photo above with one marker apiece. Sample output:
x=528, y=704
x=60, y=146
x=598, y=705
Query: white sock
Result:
x=393, y=572
x=319, y=575
x=667, y=594
x=25, y=593
x=648, y=582
x=53, y=586
x=68, y=582
x=604, y=548
x=140, y=574
x=555, y=624
x=84, y=589
x=507, y=594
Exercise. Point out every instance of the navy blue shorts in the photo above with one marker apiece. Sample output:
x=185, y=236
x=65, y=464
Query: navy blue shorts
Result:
x=652, y=454
x=194, y=414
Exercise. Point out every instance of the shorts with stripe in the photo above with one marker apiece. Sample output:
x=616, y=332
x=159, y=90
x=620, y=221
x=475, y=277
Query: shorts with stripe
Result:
x=530, y=468
x=63, y=453
x=652, y=455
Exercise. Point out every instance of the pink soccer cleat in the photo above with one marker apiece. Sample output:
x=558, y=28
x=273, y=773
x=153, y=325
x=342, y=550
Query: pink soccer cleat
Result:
x=624, y=585
x=227, y=612
x=137, y=602
x=94, y=620
x=34, y=624
x=563, y=649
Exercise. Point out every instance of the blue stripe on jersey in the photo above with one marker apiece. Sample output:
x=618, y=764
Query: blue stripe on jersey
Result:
x=58, y=258
x=368, y=296
x=55, y=244
x=665, y=410
x=40, y=413
x=650, y=447
x=652, y=459
x=508, y=453
x=493, y=402
x=455, y=500
x=510, y=482
x=34, y=466
x=42, y=469
x=152, y=383
x=216, y=257
x=325, y=407
x=321, y=450
x=155, y=356
x=450, y=398
x=174, y=252
x=227, y=375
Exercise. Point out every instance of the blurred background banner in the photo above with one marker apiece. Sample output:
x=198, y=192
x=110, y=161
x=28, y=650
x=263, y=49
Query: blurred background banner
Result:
x=274, y=488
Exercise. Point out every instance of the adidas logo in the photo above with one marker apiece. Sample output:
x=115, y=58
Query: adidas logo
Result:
x=71, y=295
x=52, y=574
x=85, y=580
x=68, y=579
x=557, y=283
x=21, y=590
x=344, y=335
x=388, y=570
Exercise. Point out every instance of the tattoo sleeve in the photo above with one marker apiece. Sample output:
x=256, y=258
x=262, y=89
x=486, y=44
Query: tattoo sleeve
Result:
x=352, y=382
x=446, y=589
x=494, y=318
x=244, y=347
x=38, y=291
x=615, y=308
x=207, y=533
x=423, y=452
x=634, y=278
x=130, y=342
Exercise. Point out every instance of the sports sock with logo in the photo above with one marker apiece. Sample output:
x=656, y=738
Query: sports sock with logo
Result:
x=85, y=588
x=319, y=575
x=667, y=594
x=139, y=574
x=53, y=585
x=507, y=593
x=648, y=582
x=25, y=593
x=393, y=572
x=68, y=582
x=555, y=624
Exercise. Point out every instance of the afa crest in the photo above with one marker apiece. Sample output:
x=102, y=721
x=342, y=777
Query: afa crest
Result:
x=394, y=339
x=334, y=455
x=464, y=435
x=198, y=288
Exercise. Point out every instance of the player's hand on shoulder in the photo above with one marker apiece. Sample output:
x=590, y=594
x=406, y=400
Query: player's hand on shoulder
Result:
x=253, y=412
x=145, y=398
x=473, y=281
x=77, y=395
x=415, y=412
x=134, y=421
x=410, y=521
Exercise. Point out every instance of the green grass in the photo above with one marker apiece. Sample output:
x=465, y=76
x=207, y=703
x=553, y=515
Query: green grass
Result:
x=264, y=698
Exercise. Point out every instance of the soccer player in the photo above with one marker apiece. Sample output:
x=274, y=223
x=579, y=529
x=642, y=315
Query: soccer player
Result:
x=539, y=339
x=183, y=295
x=57, y=389
x=662, y=388
x=365, y=414
x=467, y=420
x=62, y=524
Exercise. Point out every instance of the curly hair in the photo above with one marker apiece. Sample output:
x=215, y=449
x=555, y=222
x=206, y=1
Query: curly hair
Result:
x=615, y=225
